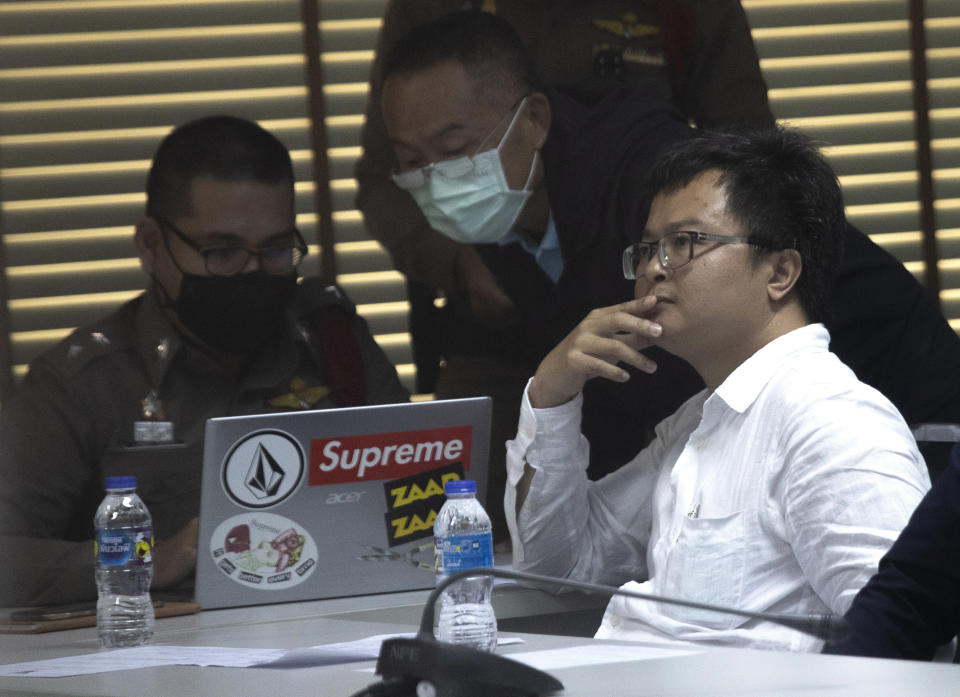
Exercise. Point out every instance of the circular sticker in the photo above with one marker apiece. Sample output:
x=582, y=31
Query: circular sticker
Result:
x=263, y=550
x=263, y=469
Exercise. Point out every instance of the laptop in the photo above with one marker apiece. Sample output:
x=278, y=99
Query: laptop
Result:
x=335, y=502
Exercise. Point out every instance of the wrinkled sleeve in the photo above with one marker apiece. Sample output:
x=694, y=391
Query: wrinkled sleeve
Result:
x=45, y=473
x=847, y=496
x=570, y=527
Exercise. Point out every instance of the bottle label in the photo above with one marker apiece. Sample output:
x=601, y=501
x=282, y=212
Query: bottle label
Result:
x=118, y=547
x=460, y=552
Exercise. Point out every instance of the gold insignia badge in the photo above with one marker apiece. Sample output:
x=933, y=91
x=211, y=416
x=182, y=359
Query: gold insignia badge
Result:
x=153, y=426
x=628, y=26
x=301, y=396
x=151, y=408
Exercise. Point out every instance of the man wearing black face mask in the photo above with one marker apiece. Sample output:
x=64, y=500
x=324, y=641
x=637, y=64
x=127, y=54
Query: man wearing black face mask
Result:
x=223, y=328
x=233, y=310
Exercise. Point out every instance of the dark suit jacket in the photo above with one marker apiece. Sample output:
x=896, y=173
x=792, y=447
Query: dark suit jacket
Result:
x=912, y=605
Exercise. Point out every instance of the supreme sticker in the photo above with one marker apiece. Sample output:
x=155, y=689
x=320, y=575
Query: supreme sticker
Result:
x=351, y=459
x=414, y=502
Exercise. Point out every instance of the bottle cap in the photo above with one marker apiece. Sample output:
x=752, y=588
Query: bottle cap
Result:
x=128, y=482
x=460, y=486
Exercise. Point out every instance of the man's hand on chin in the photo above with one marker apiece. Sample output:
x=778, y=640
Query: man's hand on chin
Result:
x=606, y=337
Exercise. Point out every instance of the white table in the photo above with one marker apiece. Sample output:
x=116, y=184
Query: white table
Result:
x=702, y=673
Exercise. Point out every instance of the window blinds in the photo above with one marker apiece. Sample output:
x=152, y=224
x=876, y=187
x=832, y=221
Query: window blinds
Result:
x=88, y=88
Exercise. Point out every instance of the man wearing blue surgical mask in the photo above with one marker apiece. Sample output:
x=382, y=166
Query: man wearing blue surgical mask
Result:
x=462, y=78
x=468, y=198
x=541, y=186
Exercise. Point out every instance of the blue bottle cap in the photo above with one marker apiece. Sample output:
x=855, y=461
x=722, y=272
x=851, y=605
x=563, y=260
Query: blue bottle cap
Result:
x=460, y=486
x=128, y=482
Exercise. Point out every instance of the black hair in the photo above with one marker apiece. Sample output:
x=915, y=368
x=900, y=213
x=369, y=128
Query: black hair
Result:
x=225, y=147
x=780, y=187
x=485, y=45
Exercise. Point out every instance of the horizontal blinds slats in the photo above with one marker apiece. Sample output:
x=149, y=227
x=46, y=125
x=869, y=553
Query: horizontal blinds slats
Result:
x=840, y=70
x=944, y=39
x=88, y=89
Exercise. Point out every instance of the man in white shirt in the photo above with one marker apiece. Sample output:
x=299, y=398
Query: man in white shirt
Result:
x=777, y=488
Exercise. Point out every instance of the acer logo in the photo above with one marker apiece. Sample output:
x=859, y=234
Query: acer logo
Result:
x=346, y=497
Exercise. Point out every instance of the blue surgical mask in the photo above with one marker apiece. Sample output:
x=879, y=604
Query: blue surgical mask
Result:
x=468, y=198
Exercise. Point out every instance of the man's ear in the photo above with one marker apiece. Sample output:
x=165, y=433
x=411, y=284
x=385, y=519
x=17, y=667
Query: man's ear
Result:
x=538, y=117
x=786, y=268
x=148, y=238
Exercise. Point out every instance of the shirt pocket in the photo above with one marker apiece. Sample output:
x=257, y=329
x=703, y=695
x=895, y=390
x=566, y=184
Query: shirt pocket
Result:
x=707, y=565
x=168, y=481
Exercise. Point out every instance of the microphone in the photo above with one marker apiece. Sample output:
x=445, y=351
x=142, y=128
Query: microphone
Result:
x=425, y=667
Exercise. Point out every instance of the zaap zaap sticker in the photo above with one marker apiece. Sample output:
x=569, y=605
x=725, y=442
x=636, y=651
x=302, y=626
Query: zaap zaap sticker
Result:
x=414, y=502
x=263, y=550
x=263, y=469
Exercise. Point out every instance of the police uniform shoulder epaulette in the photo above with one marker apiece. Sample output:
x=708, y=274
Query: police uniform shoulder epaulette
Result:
x=315, y=293
x=87, y=344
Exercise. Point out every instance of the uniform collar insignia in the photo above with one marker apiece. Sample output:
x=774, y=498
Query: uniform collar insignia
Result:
x=628, y=26
x=301, y=396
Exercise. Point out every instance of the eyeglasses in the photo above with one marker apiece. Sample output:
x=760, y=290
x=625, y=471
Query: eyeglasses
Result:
x=674, y=250
x=456, y=167
x=279, y=258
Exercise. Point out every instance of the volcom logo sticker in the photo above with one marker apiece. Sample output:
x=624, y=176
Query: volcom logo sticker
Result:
x=263, y=469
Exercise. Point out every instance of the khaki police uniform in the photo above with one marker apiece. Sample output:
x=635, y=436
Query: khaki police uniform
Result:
x=74, y=422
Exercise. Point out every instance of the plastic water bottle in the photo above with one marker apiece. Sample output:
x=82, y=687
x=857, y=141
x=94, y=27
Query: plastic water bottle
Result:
x=464, y=540
x=124, y=566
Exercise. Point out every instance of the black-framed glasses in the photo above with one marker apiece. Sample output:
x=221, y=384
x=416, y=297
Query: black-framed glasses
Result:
x=674, y=250
x=279, y=258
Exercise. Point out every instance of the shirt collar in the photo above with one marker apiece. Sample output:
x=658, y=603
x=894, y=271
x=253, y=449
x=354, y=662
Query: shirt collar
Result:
x=545, y=251
x=743, y=385
x=550, y=240
x=158, y=341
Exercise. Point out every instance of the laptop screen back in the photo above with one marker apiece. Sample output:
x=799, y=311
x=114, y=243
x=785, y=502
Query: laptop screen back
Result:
x=337, y=502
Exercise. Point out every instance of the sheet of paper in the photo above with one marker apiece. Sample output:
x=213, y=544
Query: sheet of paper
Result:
x=141, y=657
x=150, y=656
x=593, y=654
x=332, y=654
x=347, y=652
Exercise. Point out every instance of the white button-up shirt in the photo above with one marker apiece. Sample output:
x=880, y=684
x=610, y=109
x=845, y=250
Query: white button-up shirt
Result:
x=778, y=492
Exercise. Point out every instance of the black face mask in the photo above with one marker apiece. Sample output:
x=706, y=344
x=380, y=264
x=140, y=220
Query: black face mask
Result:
x=235, y=314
